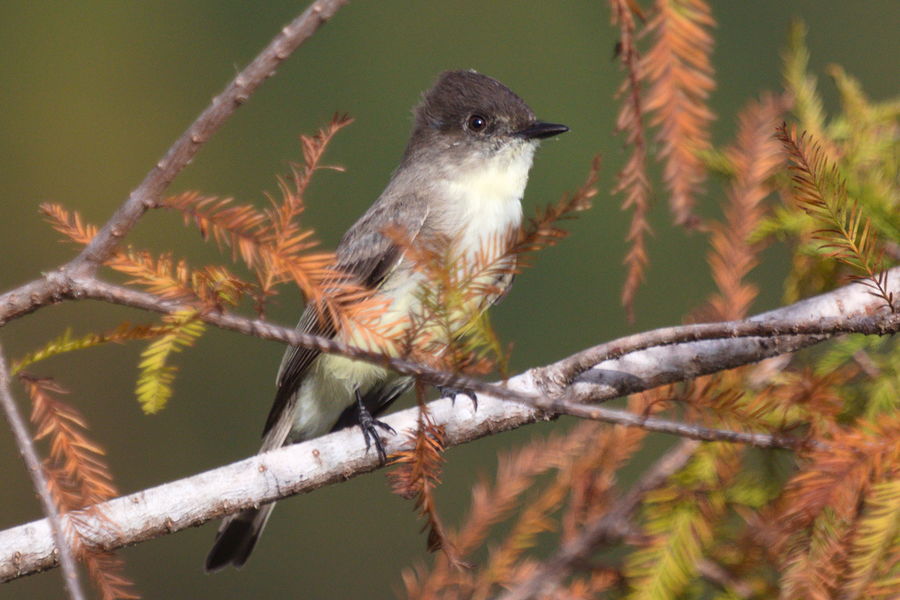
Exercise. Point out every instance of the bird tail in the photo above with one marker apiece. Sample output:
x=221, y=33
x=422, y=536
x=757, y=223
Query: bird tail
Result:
x=239, y=533
x=236, y=538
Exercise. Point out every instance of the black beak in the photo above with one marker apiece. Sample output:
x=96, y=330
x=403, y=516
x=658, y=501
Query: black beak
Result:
x=540, y=130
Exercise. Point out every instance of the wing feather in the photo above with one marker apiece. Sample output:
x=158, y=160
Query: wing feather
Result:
x=365, y=254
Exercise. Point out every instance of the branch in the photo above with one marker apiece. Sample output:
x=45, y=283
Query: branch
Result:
x=685, y=430
x=797, y=324
x=624, y=366
x=290, y=470
x=60, y=548
x=148, y=193
x=49, y=289
x=301, y=468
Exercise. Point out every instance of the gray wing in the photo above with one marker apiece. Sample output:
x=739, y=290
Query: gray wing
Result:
x=364, y=253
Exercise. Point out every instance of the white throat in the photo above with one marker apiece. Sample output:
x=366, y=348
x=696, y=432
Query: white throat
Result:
x=483, y=197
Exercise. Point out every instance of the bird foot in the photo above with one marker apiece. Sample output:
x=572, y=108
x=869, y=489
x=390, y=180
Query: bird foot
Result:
x=452, y=392
x=370, y=426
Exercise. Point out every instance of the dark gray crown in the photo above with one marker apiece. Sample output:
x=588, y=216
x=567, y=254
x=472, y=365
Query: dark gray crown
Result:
x=459, y=94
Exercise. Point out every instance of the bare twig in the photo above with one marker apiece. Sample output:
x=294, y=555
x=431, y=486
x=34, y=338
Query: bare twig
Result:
x=613, y=525
x=51, y=287
x=804, y=323
x=559, y=390
x=685, y=430
x=63, y=552
x=717, y=574
x=54, y=286
x=148, y=193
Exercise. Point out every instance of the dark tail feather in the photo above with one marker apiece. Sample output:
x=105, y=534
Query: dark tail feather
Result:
x=236, y=538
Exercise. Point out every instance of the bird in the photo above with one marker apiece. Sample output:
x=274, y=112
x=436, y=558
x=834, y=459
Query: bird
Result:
x=458, y=188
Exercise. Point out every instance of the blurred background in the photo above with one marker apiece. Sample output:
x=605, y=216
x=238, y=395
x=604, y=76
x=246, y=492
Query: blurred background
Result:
x=94, y=92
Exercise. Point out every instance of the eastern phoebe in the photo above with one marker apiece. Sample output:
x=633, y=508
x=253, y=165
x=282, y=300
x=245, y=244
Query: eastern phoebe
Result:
x=460, y=185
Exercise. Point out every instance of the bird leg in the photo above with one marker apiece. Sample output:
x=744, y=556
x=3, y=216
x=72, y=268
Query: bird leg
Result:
x=369, y=426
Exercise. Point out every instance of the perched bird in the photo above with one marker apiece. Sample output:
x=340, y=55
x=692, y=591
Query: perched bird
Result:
x=459, y=185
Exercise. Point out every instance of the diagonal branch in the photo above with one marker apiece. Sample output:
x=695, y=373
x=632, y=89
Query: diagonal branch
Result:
x=295, y=469
x=148, y=193
x=49, y=288
x=60, y=547
x=52, y=287
x=301, y=468
x=820, y=314
x=627, y=365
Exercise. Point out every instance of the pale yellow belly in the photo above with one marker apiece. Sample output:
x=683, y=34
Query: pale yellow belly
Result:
x=332, y=381
x=330, y=387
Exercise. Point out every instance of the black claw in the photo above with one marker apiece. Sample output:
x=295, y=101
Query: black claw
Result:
x=379, y=448
x=369, y=425
x=451, y=392
x=384, y=426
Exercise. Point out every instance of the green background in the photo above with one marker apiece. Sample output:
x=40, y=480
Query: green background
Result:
x=91, y=95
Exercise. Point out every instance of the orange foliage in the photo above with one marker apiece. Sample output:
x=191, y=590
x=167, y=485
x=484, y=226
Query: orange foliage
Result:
x=756, y=156
x=78, y=478
x=418, y=474
x=679, y=73
x=632, y=179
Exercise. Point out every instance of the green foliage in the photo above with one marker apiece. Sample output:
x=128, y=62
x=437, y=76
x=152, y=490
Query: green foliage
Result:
x=877, y=391
x=154, y=384
x=681, y=520
x=665, y=568
x=846, y=173
x=870, y=146
x=801, y=84
x=67, y=343
x=877, y=535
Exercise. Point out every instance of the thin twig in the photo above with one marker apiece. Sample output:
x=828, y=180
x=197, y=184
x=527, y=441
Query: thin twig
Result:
x=613, y=525
x=558, y=398
x=685, y=430
x=39, y=481
x=50, y=288
x=717, y=574
x=236, y=93
x=53, y=286
x=561, y=373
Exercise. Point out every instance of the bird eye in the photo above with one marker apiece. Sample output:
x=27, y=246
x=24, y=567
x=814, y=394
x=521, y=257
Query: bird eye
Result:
x=476, y=123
